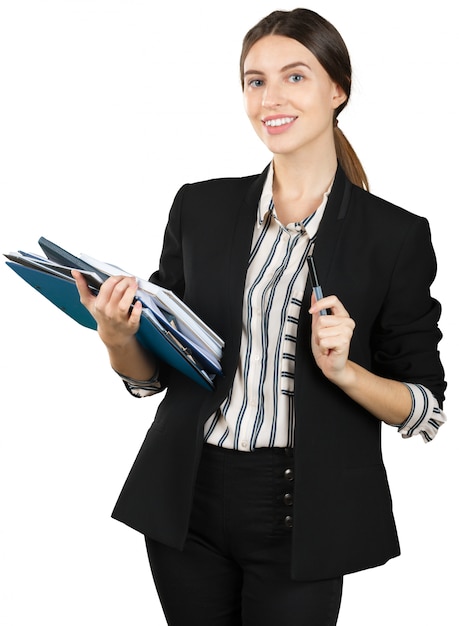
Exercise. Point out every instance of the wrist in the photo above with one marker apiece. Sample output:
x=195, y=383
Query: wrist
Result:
x=346, y=377
x=120, y=349
x=116, y=342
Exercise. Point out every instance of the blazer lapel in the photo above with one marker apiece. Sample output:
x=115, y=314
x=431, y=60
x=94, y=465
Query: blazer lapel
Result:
x=234, y=270
x=325, y=246
x=244, y=222
x=330, y=230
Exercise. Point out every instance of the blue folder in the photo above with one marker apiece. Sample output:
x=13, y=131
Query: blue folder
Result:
x=63, y=293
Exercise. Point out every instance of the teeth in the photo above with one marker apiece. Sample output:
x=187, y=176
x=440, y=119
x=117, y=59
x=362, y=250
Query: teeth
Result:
x=280, y=121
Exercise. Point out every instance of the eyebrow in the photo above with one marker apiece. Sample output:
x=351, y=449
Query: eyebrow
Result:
x=283, y=69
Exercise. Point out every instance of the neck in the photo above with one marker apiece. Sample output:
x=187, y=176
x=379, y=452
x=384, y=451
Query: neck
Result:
x=300, y=183
x=297, y=178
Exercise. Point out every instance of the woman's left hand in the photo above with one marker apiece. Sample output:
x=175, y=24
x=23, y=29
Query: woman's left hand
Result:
x=331, y=337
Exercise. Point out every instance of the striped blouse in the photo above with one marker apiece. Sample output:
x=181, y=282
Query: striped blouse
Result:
x=259, y=410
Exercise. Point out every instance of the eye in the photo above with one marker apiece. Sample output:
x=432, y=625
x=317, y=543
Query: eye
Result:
x=295, y=78
x=255, y=82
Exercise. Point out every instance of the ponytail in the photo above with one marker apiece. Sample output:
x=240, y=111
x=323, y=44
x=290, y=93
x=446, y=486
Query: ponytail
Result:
x=348, y=159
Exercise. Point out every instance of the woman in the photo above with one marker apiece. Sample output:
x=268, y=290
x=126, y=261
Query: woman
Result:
x=257, y=498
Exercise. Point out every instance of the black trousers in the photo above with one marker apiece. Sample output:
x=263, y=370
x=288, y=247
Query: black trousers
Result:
x=235, y=567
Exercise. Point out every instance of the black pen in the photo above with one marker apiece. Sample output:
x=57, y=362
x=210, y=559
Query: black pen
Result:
x=315, y=282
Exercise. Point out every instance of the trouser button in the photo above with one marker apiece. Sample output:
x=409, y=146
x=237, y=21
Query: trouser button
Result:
x=288, y=521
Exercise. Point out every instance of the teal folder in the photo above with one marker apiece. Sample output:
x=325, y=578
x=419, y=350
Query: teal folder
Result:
x=154, y=334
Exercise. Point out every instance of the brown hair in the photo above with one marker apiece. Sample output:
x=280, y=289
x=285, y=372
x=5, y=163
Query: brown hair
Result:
x=326, y=44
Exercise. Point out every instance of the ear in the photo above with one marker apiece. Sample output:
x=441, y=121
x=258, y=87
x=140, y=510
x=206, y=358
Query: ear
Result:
x=338, y=96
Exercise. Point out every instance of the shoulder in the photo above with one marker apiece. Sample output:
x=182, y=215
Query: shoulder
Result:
x=218, y=196
x=380, y=210
x=385, y=225
x=373, y=217
x=219, y=186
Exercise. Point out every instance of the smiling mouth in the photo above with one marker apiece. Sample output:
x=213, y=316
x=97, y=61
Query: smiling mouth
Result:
x=280, y=121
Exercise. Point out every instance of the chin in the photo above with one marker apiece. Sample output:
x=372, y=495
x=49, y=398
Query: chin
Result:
x=281, y=149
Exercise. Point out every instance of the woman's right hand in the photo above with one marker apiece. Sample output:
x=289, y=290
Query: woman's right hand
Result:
x=117, y=317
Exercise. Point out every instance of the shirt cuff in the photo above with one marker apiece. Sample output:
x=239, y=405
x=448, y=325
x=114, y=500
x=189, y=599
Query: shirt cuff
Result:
x=425, y=417
x=142, y=388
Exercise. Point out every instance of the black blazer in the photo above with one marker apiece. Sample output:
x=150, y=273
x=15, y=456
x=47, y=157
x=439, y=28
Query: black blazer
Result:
x=378, y=259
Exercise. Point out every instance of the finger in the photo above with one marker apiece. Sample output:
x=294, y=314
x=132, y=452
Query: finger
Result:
x=136, y=312
x=315, y=307
x=86, y=296
x=114, y=289
x=332, y=303
x=127, y=290
x=336, y=338
x=127, y=300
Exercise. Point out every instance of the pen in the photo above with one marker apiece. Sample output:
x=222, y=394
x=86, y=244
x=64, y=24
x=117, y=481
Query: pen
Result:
x=315, y=282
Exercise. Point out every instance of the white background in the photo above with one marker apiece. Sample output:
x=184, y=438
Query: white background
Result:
x=106, y=108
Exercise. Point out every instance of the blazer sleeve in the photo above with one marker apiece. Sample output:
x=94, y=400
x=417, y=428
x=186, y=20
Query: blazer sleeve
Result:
x=406, y=333
x=170, y=274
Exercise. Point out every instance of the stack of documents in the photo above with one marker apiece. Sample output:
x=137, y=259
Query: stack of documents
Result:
x=168, y=327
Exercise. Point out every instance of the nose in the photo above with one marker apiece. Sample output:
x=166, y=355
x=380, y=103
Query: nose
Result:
x=273, y=96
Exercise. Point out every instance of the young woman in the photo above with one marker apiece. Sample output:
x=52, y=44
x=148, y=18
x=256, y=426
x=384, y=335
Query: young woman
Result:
x=257, y=498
